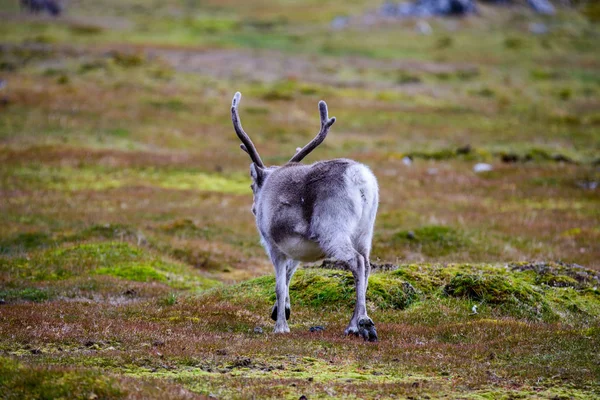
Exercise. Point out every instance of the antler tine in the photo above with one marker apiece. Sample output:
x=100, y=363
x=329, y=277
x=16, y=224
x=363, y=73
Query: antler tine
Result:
x=326, y=123
x=247, y=144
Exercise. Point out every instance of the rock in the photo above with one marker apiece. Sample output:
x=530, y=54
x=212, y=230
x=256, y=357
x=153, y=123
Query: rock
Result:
x=464, y=149
x=2, y=301
x=542, y=6
x=538, y=28
x=339, y=22
x=53, y=7
x=258, y=330
x=509, y=158
x=423, y=28
x=317, y=328
x=428, y=8
x=587, y=185
x=482, y=167
x=389, y=9
x=407, y=161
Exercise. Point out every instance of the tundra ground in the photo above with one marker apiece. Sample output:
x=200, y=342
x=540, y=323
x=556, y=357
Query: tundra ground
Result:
x=130, y=266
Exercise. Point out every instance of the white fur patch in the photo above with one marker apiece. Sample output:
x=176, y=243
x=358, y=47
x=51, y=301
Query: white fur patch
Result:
x=297, y=248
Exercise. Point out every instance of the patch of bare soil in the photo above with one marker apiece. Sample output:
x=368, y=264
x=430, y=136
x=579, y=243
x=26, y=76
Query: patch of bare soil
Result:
x=269, y=65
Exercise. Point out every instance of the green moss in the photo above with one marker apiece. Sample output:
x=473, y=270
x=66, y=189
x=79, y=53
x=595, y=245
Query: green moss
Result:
x=103, y=231
x=388, y=292
x=186, y=228
x=24, y=242
x=510, y=295
x=118, y=259
x=496, y=290
x=433, y=240
x=551, y=279
x=169, y=104
x=25, y=294
x=281, y=90
x=320, y=288
x=85, y=29
x=63, y=263
x=133, y=272
x=100, y=178
x=127, y=59
x=493, y=289
x=18, y=381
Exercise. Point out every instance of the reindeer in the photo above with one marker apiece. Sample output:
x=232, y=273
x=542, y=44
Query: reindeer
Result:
x=305, y=213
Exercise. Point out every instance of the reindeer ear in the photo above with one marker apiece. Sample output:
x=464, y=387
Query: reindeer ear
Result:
x=257, y=173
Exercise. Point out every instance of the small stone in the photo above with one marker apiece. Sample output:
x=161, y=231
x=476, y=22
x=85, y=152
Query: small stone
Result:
x=466, y=149
x=423, y=28
x=407, y=161
x=339, y=22
x=509, y=158
x=258, y=330
x=317, y=328
x=538, y=28
x=2, y=301
x=542, y=6
x=482, y=167
x=410, y=235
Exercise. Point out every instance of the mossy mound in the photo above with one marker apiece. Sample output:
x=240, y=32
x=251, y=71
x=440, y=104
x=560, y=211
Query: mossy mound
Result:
x=511, y=290
x=509, y=294
x=33, y=277
x=321, y=288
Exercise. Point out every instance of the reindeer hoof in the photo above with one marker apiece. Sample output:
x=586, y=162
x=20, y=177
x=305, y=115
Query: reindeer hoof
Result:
x=367, y=329
x=351, y=331
x=281, y=329
x=288, y=312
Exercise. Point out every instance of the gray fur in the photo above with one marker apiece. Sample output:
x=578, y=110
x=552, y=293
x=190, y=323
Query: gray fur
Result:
x=309, y=212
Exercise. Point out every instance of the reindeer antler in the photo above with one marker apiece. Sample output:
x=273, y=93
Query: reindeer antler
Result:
x=247, y=144
x=326, y=123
